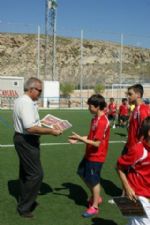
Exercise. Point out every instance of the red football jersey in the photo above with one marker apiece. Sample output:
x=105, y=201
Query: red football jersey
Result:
x=123, y=110
x=137, y=161
x=99, y=130
x=112, y=109
x=139, y=113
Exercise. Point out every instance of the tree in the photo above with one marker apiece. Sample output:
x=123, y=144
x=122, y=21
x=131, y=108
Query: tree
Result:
x=99, y=88
x=66, y=89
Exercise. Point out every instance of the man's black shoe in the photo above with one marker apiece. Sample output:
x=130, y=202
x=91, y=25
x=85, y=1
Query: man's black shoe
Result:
x=27, y=215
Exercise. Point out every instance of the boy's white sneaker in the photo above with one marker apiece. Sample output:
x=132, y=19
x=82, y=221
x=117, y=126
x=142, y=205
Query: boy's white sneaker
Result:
x=111, y=201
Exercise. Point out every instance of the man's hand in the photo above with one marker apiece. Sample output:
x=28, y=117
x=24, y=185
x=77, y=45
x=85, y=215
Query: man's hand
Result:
x=57, y=132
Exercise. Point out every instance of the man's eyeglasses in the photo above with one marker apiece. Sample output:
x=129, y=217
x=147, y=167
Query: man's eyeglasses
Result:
x=129, y=94
x=39, y=90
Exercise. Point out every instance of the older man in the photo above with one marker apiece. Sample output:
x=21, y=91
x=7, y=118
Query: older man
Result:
x=26, y=140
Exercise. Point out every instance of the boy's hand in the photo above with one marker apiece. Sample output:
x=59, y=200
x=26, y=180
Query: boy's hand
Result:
x=131, y=194
x=72, y=141
x=76, y=137
x=73, y=138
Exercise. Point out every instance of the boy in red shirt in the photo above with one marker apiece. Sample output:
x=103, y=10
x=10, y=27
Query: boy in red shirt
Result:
x=112, y=110
x=96, y=150
x=140, y=112
x=123, y=113
x=134, y=171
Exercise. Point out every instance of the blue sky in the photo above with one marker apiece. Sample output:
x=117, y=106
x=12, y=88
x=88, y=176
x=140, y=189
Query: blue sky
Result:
x=99, y=19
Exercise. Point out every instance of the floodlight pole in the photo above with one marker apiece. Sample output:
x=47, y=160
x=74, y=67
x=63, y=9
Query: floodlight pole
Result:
x=38, y=53
x=121, y=63
x=50, y=38
x=81, y=66
x=121, y=59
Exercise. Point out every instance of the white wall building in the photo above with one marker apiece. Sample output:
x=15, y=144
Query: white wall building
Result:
x=10, y=88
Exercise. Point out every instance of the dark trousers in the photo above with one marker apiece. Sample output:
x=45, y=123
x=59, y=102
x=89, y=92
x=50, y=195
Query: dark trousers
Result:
x=30, y=171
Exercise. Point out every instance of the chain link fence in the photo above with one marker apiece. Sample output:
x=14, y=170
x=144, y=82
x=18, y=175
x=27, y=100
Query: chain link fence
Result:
x=60, y=103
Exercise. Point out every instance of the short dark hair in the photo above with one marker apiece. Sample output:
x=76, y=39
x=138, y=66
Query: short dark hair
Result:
x=111, y=99
x=98, y=101
x=138, y=88
x=124, y=99
x=145, y=127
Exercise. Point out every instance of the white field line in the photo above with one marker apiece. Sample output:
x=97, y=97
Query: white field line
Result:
x=63, y=143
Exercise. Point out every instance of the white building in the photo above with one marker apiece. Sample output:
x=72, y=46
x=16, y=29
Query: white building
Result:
x=10, y=88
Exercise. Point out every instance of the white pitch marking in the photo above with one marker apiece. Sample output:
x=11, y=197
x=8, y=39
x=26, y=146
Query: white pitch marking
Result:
x=63, y=143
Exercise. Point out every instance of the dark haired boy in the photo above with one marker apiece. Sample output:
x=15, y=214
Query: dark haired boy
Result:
x=96, y=151
x=140, y=112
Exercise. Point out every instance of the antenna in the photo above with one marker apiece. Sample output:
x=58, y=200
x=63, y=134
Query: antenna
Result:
x=50, y=39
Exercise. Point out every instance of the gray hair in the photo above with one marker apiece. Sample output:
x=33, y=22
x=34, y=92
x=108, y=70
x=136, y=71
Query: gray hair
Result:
x=30, y=83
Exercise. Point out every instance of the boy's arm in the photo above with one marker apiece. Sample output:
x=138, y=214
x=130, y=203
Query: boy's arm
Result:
x=84, y=139
x=128, y=189
x=95, y=143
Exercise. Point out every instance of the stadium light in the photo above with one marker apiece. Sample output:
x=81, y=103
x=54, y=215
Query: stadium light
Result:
x=52, y=4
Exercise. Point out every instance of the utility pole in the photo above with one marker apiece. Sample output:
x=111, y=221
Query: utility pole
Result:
x=50, y=39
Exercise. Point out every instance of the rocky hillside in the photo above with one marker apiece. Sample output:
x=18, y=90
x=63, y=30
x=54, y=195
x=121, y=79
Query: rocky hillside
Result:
x=100, y=61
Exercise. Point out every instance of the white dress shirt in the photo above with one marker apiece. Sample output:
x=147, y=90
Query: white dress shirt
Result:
x=25, y=114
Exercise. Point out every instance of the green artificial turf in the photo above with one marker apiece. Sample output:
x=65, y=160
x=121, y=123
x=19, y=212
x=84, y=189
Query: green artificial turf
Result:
x=63, y=195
